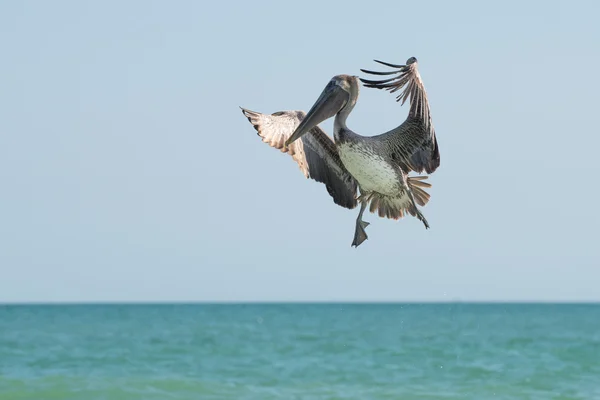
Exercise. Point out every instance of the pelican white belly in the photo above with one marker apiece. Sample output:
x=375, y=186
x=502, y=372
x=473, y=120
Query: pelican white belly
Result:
x=371, y=171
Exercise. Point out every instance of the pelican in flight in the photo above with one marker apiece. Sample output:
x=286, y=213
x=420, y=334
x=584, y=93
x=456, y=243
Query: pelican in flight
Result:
x=378, y=166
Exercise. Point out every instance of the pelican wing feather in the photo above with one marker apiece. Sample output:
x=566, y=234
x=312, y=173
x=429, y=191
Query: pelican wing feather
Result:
x=315, y=152
x=413, y=143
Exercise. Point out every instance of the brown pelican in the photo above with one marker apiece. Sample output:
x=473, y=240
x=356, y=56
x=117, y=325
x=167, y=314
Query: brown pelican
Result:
x=377, y=165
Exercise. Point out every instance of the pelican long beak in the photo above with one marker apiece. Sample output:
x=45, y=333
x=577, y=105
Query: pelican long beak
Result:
x=332, y=100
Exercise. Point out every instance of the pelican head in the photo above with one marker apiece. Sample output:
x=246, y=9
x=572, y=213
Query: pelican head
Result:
x=340, y=94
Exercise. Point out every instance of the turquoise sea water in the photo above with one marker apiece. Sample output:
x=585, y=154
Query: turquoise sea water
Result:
x=303, y=351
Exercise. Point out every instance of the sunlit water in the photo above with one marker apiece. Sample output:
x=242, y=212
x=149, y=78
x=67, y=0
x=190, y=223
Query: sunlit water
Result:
x=409, y=351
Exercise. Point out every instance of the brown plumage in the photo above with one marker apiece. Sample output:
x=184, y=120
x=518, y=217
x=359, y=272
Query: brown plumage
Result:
x=378, y=165
x=315, y=153
x=415, y=139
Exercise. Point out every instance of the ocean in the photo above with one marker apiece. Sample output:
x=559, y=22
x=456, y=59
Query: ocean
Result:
x=300, y=351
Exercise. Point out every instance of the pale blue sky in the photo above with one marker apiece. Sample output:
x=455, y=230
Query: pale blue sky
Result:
x=128, y=173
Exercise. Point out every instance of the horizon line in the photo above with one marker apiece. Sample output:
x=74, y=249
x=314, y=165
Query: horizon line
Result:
x=297, y=302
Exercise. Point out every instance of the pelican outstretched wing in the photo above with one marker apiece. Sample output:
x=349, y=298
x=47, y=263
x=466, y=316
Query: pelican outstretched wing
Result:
x=414, y=142
x=314, y=152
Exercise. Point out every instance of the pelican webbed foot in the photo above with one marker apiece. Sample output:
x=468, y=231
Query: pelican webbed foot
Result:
x=359, y=233
x=422, y=218
x=416, y=211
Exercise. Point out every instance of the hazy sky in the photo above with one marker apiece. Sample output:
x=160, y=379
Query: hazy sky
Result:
x=128, y=173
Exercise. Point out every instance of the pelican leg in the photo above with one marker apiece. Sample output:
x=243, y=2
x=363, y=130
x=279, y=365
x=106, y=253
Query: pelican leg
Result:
x=418, y=213
x=359, y=234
